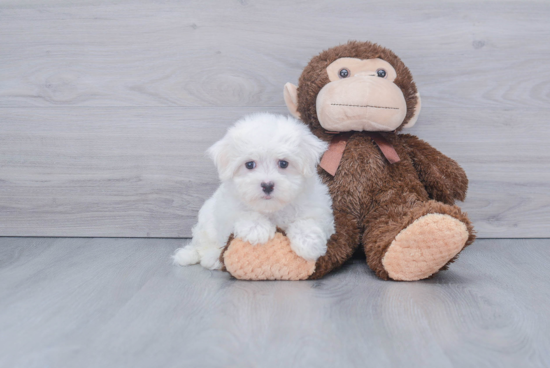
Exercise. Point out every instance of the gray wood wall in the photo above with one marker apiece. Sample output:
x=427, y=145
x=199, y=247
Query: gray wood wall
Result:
x=106, y=107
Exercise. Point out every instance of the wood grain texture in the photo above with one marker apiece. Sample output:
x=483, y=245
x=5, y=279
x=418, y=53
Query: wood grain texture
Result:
x=240, y=53
x=143, y=172
x=119, y=303
x=106, y=107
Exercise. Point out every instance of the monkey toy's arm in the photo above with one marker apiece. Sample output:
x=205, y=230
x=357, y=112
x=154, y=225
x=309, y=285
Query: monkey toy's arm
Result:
x=443, y=178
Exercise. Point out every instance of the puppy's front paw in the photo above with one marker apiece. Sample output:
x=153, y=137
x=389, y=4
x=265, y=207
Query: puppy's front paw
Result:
x=255, y=231
x=186, y=256
x=307, y=241
x=210, y=258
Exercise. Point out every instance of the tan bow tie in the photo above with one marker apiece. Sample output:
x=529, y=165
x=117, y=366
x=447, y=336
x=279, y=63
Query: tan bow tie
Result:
x=332, y=157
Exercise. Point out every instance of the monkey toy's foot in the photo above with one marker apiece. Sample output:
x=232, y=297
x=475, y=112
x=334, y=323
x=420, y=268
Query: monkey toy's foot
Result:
x=274, y=260
x=426, y=246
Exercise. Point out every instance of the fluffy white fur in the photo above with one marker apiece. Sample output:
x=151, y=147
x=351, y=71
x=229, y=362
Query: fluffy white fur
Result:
x=299, y=204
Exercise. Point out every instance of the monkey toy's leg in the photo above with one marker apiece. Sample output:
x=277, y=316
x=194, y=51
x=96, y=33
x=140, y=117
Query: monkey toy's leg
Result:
x=275, y=260
x=411, y=240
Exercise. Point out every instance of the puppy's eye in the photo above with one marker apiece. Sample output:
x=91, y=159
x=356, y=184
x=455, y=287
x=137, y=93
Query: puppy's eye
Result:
x=250, y=165
x=283, y=164
x=381, y=73
x=344, y=73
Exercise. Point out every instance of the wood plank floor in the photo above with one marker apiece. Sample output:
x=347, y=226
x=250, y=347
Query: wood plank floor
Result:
x=75, y=302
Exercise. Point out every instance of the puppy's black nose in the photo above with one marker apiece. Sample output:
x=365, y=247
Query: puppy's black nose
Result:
x=268, y=187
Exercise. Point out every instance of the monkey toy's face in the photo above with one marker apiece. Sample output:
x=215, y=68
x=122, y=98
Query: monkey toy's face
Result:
x=355, y=93
x=360, y=96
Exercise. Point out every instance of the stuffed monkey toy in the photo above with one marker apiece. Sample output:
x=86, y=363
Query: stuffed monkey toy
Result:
x=393, y=194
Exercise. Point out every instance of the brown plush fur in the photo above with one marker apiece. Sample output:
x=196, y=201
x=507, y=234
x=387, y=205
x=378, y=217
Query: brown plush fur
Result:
x=314, y=78
x=373, y=200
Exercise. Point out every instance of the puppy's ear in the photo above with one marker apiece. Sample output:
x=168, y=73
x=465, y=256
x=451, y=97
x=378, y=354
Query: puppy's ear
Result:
x=312, y=148
x=221, y=154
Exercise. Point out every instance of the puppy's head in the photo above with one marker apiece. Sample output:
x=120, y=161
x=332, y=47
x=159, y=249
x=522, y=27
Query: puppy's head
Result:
x=267, y=159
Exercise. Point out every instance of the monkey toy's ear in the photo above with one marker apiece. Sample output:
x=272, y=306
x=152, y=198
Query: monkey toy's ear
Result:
x=291, y=99
x=414, y=118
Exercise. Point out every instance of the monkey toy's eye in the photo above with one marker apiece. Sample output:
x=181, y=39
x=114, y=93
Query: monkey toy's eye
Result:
x=344, y=73
x=283, y=164
x=381, y=73
x=250, y=165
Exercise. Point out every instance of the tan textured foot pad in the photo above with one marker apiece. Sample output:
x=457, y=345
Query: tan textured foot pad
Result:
x=423, y=247
x=274, y=260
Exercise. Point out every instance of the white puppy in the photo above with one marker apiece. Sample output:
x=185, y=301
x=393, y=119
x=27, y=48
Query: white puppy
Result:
x=268, y=168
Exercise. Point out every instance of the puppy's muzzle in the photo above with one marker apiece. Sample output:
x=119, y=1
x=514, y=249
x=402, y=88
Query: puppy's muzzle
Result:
x=268, y=187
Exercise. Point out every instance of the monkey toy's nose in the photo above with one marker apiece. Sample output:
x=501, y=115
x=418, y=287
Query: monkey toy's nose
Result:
x=268, y=187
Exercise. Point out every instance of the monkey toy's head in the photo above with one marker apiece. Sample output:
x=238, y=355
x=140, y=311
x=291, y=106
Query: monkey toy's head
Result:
x=359, y=86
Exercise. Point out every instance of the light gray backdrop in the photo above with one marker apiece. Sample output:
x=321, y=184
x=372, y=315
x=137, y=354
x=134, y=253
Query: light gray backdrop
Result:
x=106, y=107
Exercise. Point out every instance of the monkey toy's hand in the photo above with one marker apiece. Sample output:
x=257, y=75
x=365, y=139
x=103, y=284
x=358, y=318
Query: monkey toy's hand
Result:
x=273, y=260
